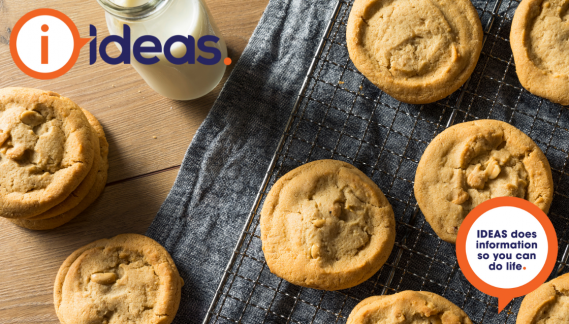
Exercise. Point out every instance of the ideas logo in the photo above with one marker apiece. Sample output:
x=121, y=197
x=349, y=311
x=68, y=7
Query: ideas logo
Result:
x=45, y=44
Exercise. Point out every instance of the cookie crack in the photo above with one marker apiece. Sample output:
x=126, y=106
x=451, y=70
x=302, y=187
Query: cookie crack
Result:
x=559, y=292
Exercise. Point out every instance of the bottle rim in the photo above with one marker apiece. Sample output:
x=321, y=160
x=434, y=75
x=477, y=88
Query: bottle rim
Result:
x=143, y=11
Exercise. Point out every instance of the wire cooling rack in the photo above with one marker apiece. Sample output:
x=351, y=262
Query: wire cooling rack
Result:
x=339, y=114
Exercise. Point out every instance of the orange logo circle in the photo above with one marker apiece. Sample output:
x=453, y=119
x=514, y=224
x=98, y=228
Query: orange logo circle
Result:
x=31, y=50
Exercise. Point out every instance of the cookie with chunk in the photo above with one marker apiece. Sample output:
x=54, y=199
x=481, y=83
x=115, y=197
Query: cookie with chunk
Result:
x=326, y=225
x=79, y=200
x=417, y=51
x=408, y=307
x=47, y=148
x=129, y=278
x=473, y=162
x=539, y=43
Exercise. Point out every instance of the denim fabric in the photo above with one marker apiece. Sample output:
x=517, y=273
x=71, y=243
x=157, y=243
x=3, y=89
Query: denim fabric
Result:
x=202, y=217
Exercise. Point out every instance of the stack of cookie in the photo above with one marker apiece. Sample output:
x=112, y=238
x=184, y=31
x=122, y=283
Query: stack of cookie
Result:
x=53, y=158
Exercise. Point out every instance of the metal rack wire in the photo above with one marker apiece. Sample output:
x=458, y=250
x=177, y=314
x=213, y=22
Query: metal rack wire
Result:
x=339, y=114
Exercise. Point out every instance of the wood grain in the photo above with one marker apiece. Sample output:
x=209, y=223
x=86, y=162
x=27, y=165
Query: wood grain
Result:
x=142, y=169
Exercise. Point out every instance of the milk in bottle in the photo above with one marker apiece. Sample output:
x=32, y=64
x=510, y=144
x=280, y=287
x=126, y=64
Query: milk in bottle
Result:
x=164, y=19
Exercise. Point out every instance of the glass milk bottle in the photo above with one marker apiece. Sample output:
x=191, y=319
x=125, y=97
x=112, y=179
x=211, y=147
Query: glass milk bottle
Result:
x=164, y=19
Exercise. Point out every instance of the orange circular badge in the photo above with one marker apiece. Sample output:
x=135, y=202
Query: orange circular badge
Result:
x=506, y=248
x=45, y=44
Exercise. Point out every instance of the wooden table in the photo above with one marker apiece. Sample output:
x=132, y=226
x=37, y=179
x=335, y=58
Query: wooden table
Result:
x=142, y=168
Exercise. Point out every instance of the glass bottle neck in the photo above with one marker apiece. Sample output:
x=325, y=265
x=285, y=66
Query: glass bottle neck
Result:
x=146, y=10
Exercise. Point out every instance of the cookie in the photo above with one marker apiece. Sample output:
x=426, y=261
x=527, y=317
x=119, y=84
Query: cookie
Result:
x=129, y=278
x=408, y=307
x=46, y=150
x=472, y=162
x=326, y=225
x=539, y=43
x=417, y=51
x=94, y=192
x=547, y=304
x=82, y=190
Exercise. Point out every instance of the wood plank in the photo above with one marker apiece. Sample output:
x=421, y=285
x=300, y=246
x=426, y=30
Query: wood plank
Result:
x=130, y=111
x=31, y=259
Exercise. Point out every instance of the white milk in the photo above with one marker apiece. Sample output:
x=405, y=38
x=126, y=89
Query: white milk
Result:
x=130, y=3
x=182, y=17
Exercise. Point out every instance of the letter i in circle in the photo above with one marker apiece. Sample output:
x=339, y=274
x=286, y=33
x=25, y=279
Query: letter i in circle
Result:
x=44, y=46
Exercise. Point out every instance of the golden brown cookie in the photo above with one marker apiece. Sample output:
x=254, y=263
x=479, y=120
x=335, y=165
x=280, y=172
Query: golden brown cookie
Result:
x=548, y=304
x=539, y=42
x=417, y=51
x=46, y=150
x=472, y=162
x=129, y=278
x=81, y=191
x=94, y=192
x=408, y=307
x=326, y=225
